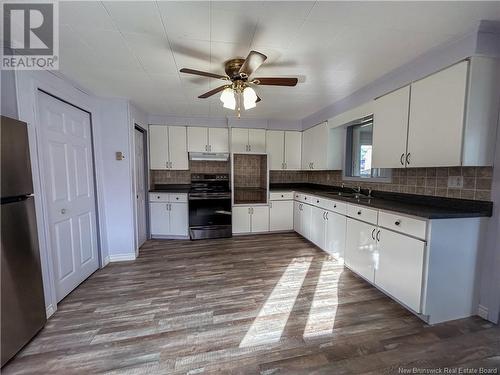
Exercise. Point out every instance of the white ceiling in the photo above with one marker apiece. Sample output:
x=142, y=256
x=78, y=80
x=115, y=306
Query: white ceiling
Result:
x=135, y=49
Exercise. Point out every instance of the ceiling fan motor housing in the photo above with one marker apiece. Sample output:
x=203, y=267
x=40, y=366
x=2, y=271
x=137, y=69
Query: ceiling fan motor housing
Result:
x=232, y=68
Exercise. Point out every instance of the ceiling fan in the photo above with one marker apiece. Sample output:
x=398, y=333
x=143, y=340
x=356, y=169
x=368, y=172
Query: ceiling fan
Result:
x=238, y=87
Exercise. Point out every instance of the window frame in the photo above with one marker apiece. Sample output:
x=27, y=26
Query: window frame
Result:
x=347, y=171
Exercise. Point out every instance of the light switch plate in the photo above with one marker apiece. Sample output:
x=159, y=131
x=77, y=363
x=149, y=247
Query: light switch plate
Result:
x=455, y=182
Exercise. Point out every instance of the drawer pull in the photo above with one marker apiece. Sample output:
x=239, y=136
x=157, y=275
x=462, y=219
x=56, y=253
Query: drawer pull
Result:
x=305, y=198
x=334, y=206
x=359, y=212
x=282, y=196
x=317, y=200
x=397, y=222
x=177, y=198
x=158, y=197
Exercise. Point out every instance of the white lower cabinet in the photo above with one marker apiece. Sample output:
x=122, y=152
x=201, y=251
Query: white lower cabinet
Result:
x=361, y=248
x=297, y=217
x=281, y=215
x=250, y=219
x=317, y=228
x=168, y=219
x=400, y=267
x=335, y=232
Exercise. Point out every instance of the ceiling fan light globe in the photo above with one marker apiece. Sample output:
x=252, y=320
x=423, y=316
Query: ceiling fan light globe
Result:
x=227, y=95
x=249, y=95
x=249, y=105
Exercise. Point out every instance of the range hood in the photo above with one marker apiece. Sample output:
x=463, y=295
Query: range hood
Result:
x=212, y=156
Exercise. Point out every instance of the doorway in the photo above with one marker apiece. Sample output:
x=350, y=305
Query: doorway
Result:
x=140, y=184
x=69, y=191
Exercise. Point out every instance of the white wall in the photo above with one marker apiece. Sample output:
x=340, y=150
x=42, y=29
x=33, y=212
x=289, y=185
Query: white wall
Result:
x=8, y=101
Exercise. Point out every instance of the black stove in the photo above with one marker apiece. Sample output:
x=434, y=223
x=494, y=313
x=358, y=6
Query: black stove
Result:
x=210, y=206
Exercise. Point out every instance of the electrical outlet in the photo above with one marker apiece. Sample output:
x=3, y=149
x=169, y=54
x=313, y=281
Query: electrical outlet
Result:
x=455, y=182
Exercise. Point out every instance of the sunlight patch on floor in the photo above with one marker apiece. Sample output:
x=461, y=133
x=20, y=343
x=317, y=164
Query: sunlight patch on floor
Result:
x=269, y=324
x=323, y=310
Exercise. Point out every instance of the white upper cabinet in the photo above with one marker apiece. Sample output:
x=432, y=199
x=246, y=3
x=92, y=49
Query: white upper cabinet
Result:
x=275, y=147
x=197, y=139
x=437, y=108
x=248, y=140
x=168, y=147
x=158, y=147
x=322, y=148
x=218, y=139
x=201, y=139
x=284, y=149
x=177, y=146
x=445, y=119
x=390, y=129
x=257, y=140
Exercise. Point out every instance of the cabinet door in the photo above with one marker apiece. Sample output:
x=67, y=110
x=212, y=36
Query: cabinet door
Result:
x=360, y=250
x=293, y=150
x=306, y=220
x=159, y=218
x=197, y=139
x=158, y=147
x=335, y=231
x=239, y=140
x=257, y=140
x=218, y=139
x=319, y=147
x=317, y=229
x=179, y=219
x=177, y=141
x=260, y=219
x=390, y=129
x=297, y=217
x=241, y=219
x=437, y=107
x=400, y=267
x=281, y=215
x=306, y=157
x=275, y=143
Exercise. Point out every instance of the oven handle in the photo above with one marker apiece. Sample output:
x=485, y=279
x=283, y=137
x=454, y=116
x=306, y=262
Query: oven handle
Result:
x=208, y=198
x=222, y=212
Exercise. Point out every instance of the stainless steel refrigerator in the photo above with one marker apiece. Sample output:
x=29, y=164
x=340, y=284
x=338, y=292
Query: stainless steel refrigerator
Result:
x=23, y=306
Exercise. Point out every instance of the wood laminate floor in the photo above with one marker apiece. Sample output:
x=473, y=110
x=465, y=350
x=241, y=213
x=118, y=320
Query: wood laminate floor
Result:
x=265, y=304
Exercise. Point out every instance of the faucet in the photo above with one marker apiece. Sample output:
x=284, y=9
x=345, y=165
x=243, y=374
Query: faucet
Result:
x=357, y=189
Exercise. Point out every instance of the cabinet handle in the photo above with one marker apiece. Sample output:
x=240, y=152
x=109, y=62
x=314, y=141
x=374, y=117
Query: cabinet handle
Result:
x=324, y=218
x=166, y=164
x=408, y=158
x=158, y=197
x=286, y=167
x=282, y=196
x=378, y=236
x=210, y=148
x=312, y=165
x=317, y=200
x=401, y=160
x=359, y=212
x=270, y=204
x=373, y=233
x=334, y=206
x=326, y=215
x=249, y=147
x=397, y=222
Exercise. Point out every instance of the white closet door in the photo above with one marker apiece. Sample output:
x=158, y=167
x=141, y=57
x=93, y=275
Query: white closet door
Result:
x=390, y=129
x=158, y=147
x=69, y=192
x=177, y=141
x=218, y=139
x=197, y=139
x=275, y=143
x=140, y=188
x=437, y=108
x=293, y=150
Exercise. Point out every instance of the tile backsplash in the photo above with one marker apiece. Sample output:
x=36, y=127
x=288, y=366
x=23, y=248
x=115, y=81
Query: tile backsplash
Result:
x=184, y=177
x=477, y=181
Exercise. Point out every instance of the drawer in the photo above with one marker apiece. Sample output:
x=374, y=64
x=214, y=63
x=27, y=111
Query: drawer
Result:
x=281, y=195
x=362, y=213
x=298, y=197
x=178, y=198
x=306, y=198
x=335, y=206
x=403, y=224
x=158, y=197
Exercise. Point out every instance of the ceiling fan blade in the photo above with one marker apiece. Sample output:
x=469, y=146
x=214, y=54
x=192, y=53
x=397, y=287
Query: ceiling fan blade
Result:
x=204, y=74
x=258, y=99
x=276, y=81
x=252, y=63
x=212, y=92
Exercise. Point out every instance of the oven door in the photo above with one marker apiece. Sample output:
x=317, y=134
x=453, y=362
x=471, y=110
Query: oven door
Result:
x=209, y=211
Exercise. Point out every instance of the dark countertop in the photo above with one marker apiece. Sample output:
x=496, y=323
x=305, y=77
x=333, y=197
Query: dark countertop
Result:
x=411, y=204
x=170, y=188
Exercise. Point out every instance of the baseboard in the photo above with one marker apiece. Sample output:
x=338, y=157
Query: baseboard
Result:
x=121, y=257
x=49, y=311
x=482, y=311
x=105, y=261
x=160, y=237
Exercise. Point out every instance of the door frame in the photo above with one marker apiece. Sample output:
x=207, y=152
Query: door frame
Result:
x=28, y=86
x=146, y=185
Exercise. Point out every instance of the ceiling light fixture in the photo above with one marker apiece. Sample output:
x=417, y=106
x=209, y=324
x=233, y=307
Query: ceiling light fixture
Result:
x=239, y=93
